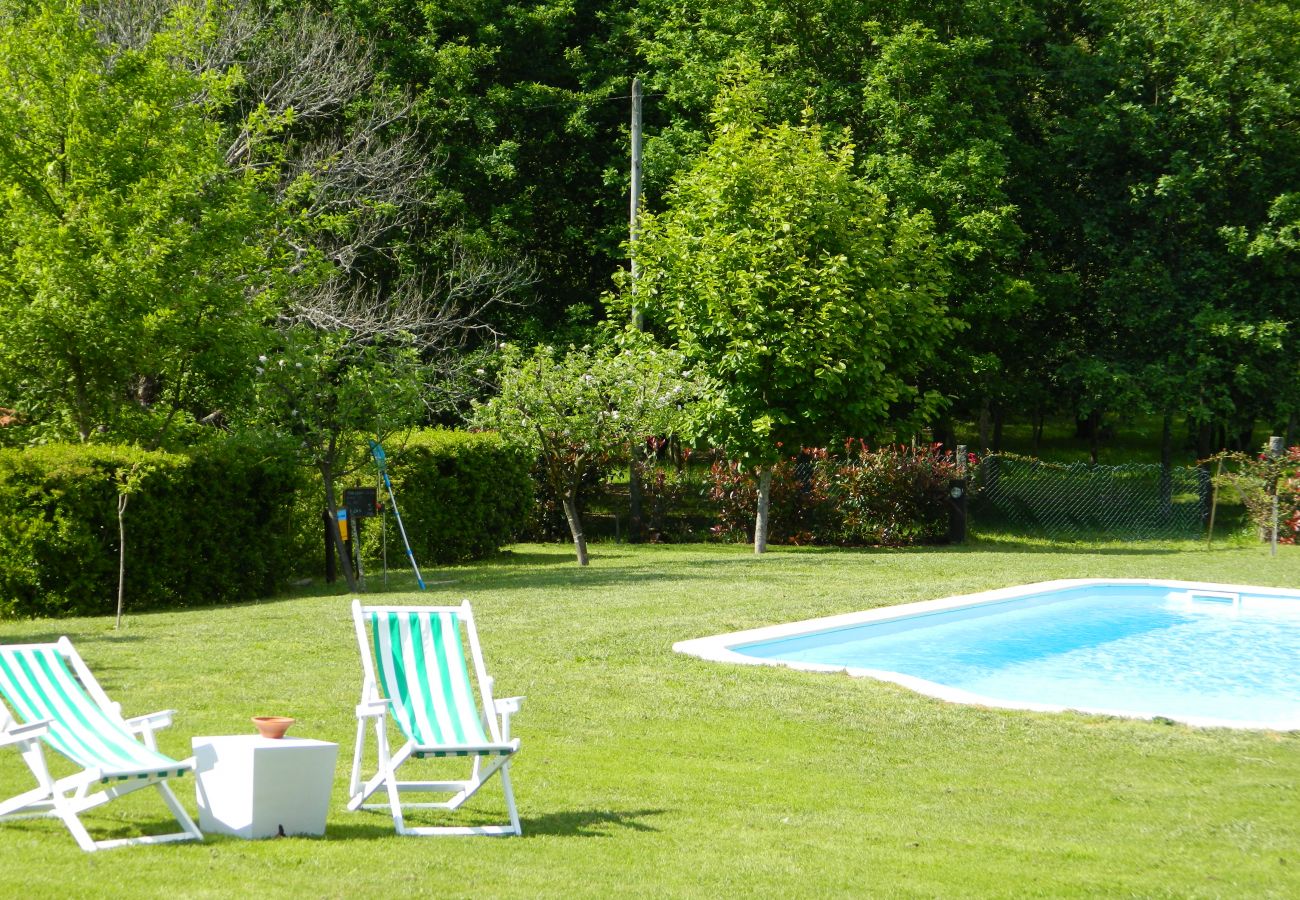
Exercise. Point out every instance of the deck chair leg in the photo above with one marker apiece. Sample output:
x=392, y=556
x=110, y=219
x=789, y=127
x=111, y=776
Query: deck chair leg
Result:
x=40, y=799
x=65, y=811
x=182, y=817
x=510, y=799
x=354, y=784
x=390, y=782
x=389, y=772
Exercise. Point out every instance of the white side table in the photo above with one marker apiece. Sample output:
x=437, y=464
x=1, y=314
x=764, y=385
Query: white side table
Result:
x=254, y=787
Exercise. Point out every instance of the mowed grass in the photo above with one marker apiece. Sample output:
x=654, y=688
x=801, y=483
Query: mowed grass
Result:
x=645, y=773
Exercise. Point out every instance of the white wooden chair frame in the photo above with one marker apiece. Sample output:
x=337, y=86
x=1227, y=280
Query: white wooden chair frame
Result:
x=376, y=709
x=66, y=798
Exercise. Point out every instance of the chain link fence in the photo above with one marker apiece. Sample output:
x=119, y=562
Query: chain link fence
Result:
x=1081, y=501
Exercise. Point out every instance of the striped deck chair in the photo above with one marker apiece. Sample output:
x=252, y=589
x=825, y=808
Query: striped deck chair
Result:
x=415, y=670
x=52, y=698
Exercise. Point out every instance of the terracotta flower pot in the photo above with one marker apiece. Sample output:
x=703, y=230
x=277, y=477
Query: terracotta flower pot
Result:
x=272, y=726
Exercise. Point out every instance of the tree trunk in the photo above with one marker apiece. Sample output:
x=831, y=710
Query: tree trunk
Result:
x=1166, y=461
x=944, y=433
x=984, y=425
x=1204, y=440
x=121, y=554
x=327, y=477
x=999, y=417
x=1094, y=435
x=575, y=527
x=636, y=516
x=764, y=496
x=1290, y=430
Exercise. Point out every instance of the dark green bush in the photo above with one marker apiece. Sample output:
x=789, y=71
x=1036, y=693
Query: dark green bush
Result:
x=461, y=494
x=208, y=526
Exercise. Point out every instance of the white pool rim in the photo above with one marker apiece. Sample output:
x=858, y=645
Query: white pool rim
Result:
x=721, y=647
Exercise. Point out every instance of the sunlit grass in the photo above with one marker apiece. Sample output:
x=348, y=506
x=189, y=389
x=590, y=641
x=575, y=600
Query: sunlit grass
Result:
x=645, y=773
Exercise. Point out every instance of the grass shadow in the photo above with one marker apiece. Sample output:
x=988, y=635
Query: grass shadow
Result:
x=1018, y=544
x=589, y=822
x=583, y=823
x=81, y=639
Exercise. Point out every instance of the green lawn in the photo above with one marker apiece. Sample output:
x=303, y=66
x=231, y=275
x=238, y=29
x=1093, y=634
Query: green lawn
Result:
x=645, y=773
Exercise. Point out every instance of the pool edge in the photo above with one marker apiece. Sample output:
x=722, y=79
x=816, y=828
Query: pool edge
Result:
x=718, y=648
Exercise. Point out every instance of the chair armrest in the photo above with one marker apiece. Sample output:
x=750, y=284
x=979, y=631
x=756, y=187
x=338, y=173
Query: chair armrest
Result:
x=372, y=708
x=16, y=734
x=150, y=722
x=507, y=706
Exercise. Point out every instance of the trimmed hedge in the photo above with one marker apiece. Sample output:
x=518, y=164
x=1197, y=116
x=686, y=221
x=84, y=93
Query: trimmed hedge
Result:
x=461, y=494
x=211, y=526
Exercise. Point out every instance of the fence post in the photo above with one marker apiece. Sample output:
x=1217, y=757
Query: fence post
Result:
x=957, y=500
x=1214, y=501
x=1275, y=451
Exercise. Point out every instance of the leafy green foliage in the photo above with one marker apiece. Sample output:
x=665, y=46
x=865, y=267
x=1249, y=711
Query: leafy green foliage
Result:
x=326, y=392
x=935, y=95
x=579, y=410
x=1256, y=479
x=791, y=282
x=462, y=495
x=1173, y=156
x=322, y=388
x=212, y=526
x=890, y=496
x=129, y=252
x=522, y=101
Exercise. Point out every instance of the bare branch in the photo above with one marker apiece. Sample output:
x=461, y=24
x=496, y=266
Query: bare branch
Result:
x=355, y=178
x=435, y=314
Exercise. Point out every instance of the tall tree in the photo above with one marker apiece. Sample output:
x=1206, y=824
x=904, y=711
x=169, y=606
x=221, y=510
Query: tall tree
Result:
x=1174, y=145
x=936, y=95
x=526, y=103
x=810, y=303
x=381, y=293
x=132, y=258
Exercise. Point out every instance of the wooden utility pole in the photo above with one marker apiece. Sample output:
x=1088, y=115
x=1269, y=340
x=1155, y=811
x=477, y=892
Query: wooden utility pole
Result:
x=638, y=317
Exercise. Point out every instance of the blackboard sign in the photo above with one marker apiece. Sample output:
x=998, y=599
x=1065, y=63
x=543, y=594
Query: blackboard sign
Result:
x=361, y=503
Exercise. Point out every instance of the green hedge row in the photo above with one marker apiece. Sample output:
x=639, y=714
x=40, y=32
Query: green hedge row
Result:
x=461, y=494
x=228, y=521
x=213, y=525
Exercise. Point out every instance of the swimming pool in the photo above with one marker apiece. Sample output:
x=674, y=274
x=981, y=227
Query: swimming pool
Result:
x=1204, y=654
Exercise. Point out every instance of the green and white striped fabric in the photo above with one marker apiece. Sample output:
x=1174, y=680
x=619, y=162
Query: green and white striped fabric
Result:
x=37, y=684
x=421, y=669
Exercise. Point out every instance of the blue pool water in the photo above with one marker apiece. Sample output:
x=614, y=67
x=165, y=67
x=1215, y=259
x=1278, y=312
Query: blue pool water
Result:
x=1142, y=650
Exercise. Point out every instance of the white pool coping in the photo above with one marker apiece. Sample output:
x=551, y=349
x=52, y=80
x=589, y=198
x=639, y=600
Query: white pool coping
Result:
x=719, y=647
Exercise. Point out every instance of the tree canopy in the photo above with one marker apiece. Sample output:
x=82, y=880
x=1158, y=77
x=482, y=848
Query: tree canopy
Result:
x=1108, y=189
x=807, y=300
x=132, y=257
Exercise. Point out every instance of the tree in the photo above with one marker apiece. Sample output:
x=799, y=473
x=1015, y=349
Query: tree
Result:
x=132, y=259
x=1173, y=151
x=526, y=104
x=807, y=300
x=351, y=361
x=378, y=295
x=328, y=391
x=938, y=95
x=581, y=409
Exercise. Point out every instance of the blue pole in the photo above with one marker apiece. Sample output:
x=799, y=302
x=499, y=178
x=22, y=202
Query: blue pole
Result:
x=382, y=462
